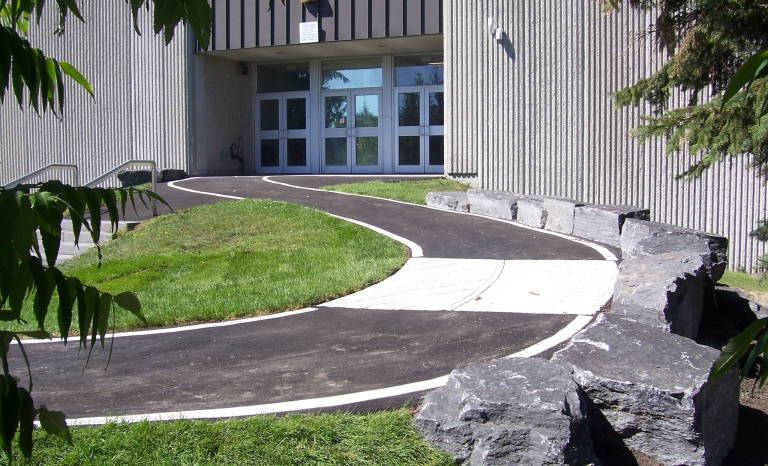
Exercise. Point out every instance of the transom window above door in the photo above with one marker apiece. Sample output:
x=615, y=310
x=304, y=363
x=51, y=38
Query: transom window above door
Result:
x=355, y=73
x=283, y=77
x=419, y=70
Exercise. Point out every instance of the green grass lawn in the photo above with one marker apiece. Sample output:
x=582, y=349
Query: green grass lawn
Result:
x=378, y=438
x=744, y=281
x=407, y=191
x=235, y=259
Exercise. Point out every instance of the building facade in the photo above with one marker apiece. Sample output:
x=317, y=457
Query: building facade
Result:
x=383, y=86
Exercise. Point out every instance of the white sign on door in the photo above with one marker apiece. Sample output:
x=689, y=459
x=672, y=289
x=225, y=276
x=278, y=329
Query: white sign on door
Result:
x=308, y=33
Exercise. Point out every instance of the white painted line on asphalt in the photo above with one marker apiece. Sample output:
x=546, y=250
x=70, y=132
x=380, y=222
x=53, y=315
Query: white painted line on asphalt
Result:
x=416, y=250
x=172, y=184
x=184, y=328
x=272, y=408
x=563, y=335
x=608, y=255
x=326, y=402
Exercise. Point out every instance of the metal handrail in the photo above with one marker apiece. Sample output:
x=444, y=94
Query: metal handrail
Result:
x=128, y=164
x=28, y=176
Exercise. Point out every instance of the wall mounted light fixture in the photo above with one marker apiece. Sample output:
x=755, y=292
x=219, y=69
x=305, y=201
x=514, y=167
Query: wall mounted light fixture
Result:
x=495, y=30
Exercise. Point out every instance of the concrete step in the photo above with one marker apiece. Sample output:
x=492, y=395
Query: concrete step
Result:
x=67, y=248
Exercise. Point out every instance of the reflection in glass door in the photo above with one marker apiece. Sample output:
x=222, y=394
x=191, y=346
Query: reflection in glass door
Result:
x=351, y=132
x=419, y=133
x=282, y=142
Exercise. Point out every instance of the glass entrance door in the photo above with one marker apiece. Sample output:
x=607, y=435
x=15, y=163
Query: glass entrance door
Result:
x=351, y=132
x=282, y=135
x=419, y=130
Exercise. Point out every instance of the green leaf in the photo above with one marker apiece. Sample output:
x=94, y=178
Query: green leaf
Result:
x=45, y=285
x=25, y=237
x=21, y=284
x=39, y=4
x=75, y=197
x=26, y=359
x=93, y=301
x=746, y=74
x=60, y=87
x=66, y=303
x=93, y=199
x=5, y=60
x=10, y=316
x=49, y=218
x=82, y=311
x=110, y=201
x=760, y=348
x=9, y=412
x=200, y=18
x=736, y=348
x=54, y=423
x=128, y=301
x=18, y=81
x=37, y=335
x=10, y=205
x=27, y=416
x=104, y=308
x=135, y=7
x=73, y=73
x=123, y=198
x=72, y=5
x=167, y=15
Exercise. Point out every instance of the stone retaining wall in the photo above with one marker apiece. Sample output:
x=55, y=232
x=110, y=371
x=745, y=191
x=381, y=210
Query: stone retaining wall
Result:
x=642, y=378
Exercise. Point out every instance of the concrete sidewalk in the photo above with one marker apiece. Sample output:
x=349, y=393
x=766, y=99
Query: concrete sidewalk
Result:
x=493, y=289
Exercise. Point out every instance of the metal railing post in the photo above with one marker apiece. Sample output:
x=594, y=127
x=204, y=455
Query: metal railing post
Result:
x=129, y=163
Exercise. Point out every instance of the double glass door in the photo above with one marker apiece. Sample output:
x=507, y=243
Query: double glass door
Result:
x=283, y=135
x=351, y=134
x=419, y=130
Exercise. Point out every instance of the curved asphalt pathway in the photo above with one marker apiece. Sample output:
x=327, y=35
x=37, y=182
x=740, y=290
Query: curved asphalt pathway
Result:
x=492, y=289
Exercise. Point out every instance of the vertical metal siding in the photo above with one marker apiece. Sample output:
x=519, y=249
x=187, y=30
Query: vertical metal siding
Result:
x=432, y=17
x=362, y=17
x=413, y=17
x=396, y=18
x=280, y=31
x=533, y=114
x=327, y=14
x=140, y=108
x=249, y=23
x=378, y=18
x=344, y=19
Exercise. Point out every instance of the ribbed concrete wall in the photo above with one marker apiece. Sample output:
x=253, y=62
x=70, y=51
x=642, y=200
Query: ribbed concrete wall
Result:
x=140, y=110
x=532, y=114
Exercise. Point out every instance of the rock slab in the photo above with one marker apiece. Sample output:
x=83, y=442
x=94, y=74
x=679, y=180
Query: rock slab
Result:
x=170, y=174
x=509, y=411
x=531, y=211
x=136, y=177
x=560, y=212
x=497, y=204
x=652, y=388
x=603, y=223
x=450, y=200
x=639, y=237
x=664, y=291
